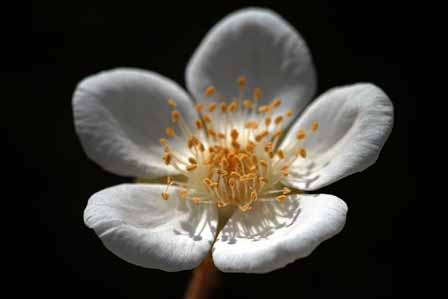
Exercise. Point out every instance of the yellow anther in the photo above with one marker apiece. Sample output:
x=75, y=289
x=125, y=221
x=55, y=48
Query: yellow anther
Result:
x=167, y=158
x=236, y=145
x=207, y=118
x=264, y=108
x=231, y=183
x=234, y=134
x=165, y=195
x=175, y=115
x=172, y=103
x=281, y=197
x=196, y=199
x=278, y=119
x=262, y=179
x=260, y=136
x=221, y=135
x=276, y=102
x=251, y=124
x=211, y=132
x=183, y=193
x=207, y=181
x=253, y=195
x=209, y=91
x=314, y=126
x=242, y=81
x=170, y=132
x=198, y=123
x=277, y=133
x=286, y=190
x=267, y=121
x=223, y=107
x=301, y=152
x=248, y=104
x=250, y=147
x=284, y=170
x=281, y=154
x=212, y=106
x=199, y=107
x=257, y=93
x=163, y=141
x=192, y=160
x=301, y=134
x=233, y=106
x=235, y=174
x=288, y=113
x=191, y=167
x=166, y=148
x=264, y=163
x=201, y=147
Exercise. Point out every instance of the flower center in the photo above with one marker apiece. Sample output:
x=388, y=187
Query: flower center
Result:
x=233, y=156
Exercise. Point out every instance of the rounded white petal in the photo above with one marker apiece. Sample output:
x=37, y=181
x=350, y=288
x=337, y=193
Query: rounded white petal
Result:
x=274, y=234
x=121, y=114
x=354, y=123
x=136, y=224
x=260, y=45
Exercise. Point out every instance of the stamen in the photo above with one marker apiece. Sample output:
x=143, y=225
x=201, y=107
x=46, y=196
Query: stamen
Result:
x=199, y=107
x=248, y=104
x=314, y=126
x=223, y=107
x=281, y=154
x=191, y=167
x=257, y=94
x=278, y=120
x=175, y=116
x=172, y=103
x=242, y=81
x=199, y=124
x=276, y=102
x=251, y=124
x=281, y=197
x=260, y=136
x=212, y=106
x=234, y=134
x=232, y=165
x=233, y=106
x=302, y=152
x=301, y=134
x=264, y=108
x=207, y=118
x=267, y=121
x=170, y=132
x=209, y=91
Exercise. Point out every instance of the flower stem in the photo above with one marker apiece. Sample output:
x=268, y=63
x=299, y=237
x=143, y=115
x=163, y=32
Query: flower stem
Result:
x=204, y=281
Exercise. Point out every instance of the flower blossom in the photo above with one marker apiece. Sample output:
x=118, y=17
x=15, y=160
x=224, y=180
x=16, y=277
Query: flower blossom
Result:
x=229, y=166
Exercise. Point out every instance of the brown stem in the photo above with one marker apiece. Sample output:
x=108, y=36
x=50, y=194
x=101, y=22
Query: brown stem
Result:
x=205, y=279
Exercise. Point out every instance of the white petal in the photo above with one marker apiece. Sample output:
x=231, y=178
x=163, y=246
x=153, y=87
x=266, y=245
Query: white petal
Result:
x=354, y=123
x=120, y=116
x=272, y=235
x=136, y=224
x=261, y=45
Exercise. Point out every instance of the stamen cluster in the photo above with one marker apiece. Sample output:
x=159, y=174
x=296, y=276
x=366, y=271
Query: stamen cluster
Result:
x=233, y=156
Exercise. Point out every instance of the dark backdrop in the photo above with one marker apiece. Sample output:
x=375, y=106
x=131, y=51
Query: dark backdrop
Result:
x=368, y=41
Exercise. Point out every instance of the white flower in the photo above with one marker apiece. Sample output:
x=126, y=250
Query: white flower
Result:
x=236, y=179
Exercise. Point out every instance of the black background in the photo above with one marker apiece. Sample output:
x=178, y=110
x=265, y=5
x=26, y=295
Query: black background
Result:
x=350, y=42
